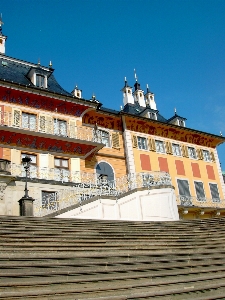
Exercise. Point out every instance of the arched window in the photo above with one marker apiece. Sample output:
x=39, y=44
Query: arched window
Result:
x=104, y=171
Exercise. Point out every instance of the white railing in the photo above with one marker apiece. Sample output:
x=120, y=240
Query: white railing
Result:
x=50, y=127
x=88, y=185
x=200, y=202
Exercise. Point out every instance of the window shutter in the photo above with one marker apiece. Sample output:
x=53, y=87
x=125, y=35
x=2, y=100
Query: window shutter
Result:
x=200, y=154
x=72, y=129
x=16, y=117
x=212, y=156
x=169, y=148
x=134, y=141
x=46, y=124
x=115, y=140
x=184, y=151
x=151, y=144
x=75, y=169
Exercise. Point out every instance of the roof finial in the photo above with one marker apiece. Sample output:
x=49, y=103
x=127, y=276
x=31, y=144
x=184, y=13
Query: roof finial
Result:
x=135, y=75
x=50, y=64
x=175, y=110
x=147, y=88
x=221, y=133
x=39, y=62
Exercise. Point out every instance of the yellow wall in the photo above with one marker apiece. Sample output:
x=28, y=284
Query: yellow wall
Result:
x=187, y=166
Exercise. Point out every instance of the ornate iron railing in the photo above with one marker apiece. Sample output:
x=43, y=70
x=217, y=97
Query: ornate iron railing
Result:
x=90, y=185
x=200, y=202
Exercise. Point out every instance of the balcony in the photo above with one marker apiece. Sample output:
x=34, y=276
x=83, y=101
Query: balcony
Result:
x=194, y=202
x=54, y=127
x=29, y=132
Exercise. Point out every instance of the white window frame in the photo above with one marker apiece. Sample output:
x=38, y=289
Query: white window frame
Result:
x=152, y=115
x=201, y=199
x=57, y=130
x=214, y=199
x=192, y=152
x=206, y=157
x=185, y=199
x=160, y=146
x=175, y=151
x=142, y=143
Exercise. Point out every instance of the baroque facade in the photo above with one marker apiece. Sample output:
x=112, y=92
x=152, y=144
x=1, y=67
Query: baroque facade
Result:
x=80, y=150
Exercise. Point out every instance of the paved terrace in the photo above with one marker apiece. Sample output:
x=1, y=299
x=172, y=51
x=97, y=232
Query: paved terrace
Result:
x=48, y=258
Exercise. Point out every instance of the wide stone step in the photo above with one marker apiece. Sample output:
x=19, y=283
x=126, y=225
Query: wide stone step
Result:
x=129, y=288
x=106, y=274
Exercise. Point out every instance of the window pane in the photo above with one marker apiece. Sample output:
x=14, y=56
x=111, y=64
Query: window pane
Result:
x=57, y=162
x=199, y=191
x=206, y=155
x=214, y=192
x=160, y=146
x=142, y=143
x=105, y=138
x=176, y=149
x=183, y=187
x=192, y=152
x=65, y=163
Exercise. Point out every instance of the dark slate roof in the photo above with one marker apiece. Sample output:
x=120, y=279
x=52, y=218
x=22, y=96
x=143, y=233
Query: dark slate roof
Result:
x=109, y=110
x=14, y=70
x=176, y=117
x=136, y=109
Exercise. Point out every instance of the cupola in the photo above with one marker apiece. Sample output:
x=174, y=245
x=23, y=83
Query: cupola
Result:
x=150, y=99
x=3, y=38
x=138, y=93
x=127, y=94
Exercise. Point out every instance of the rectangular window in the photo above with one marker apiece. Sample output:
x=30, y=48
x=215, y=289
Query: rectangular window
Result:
x=105, y=138
x=61, y=171
x=142, y=143
x=184, y=192
x=176, y=149
x=199, y=189
x=159, y=146
x=206, y=155
x=49, y=200
x=29, y=121
x=152, y=115
x=214, y=192
x=40, y=80
x=60, y=127
x=192, y=152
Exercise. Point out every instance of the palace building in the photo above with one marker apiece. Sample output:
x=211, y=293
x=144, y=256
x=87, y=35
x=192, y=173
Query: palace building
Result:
x=88, y=161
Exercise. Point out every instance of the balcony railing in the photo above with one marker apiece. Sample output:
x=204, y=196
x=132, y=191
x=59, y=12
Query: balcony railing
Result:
x=200, y=202
x=56, y=127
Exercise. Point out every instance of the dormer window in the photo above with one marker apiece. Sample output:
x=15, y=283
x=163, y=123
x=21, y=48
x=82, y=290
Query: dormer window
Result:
x=180, y=123
x=152, y=115
x=40, y=80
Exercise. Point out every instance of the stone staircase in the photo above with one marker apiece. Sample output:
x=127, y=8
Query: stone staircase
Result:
x=50, y=258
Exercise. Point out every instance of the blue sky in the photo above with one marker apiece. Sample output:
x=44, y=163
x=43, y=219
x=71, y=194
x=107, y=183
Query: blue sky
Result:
x=176, y=46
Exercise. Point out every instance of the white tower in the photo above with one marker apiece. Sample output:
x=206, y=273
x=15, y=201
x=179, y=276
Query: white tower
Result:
x=2, y=38
x=138, y=92
x=150, y=99
x=127, y=94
